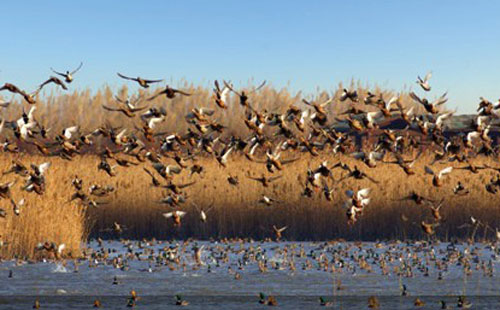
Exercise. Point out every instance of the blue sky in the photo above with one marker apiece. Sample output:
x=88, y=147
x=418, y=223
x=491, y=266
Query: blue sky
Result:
x=303, y=44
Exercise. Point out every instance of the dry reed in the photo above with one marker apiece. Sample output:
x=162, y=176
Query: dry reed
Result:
x=236, y=212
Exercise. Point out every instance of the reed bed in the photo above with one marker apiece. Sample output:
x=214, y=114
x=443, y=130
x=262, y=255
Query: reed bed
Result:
x=47, y=218
x=57, y=109
x=236, y=211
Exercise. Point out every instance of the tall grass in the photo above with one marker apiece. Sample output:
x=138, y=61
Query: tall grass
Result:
x=235, y=211
x=58, y=109
x=47, y=218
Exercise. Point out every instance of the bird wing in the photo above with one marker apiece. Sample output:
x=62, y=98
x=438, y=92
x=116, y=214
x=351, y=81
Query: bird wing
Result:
x=349, y=193
x=440, y=120
x=30, y=114
x=445, y=171
x=56, y=72
x=441, y=100
x=363, y=193
x=153, y=121
x=324, y=104
x=428, y=170
x=126, y=77
x=415, y=97
x=181, y=213
x=271, y=179
x=44, y=167
x=69, y=131
x=76, y=70
x=156, y=95
x=153, y=81
x=168, y=215
x=287, y=161
x=173, y=169
x=186, y=184
x=228, y=86
x=427, y=76
x=259, y=87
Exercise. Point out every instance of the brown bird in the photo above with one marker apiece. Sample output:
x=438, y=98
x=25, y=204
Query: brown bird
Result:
x=273, y=160
x=54, y=80
x=265, y=181
x=169, y=92
x=220, y=95
x=243, y=95
x=104, y=165
x=406, y=165
x=358, y=174
x=127, y=110
x=278, y=232
x=435, y=210
x=472, y=168
x=233, y=180
x=142, y=82
x=5, y=189
x=418, y=199
x=28, y=97
x=154, y=180
x=429, y=228
x=176, y=188
x=430, y=107
x=437, y=179
x=319, y=107
x=176, y=216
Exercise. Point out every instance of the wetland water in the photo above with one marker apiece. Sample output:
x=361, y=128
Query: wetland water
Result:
x=232, y=275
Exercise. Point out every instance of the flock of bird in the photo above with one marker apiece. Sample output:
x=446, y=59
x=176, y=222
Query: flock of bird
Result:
x=295, y=131
x=238, y=259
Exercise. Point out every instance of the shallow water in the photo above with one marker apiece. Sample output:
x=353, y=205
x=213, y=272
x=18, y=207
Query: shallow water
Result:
x=62, y=287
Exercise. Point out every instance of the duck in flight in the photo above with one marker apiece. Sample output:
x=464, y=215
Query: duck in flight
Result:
x=68, y=75
x=169, y=92
x=142, y=82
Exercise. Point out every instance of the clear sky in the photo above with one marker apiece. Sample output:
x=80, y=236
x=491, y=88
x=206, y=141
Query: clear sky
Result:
x=303, y=44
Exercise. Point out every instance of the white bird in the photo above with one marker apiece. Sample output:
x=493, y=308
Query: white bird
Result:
x=358, y=199
x=425, y=82
x=61, y=248
x=441, y=119
x=26, y=118
x=176, y=216
x=69, y=131
x=222, y=158
x=16, y=206
x=203, y=213
x=41, y=169
x=25, y=130
x=119, y=137
x=267, y=200
x=154, y=120
x=249, y=155
x=437, y=179
x=373, y=117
